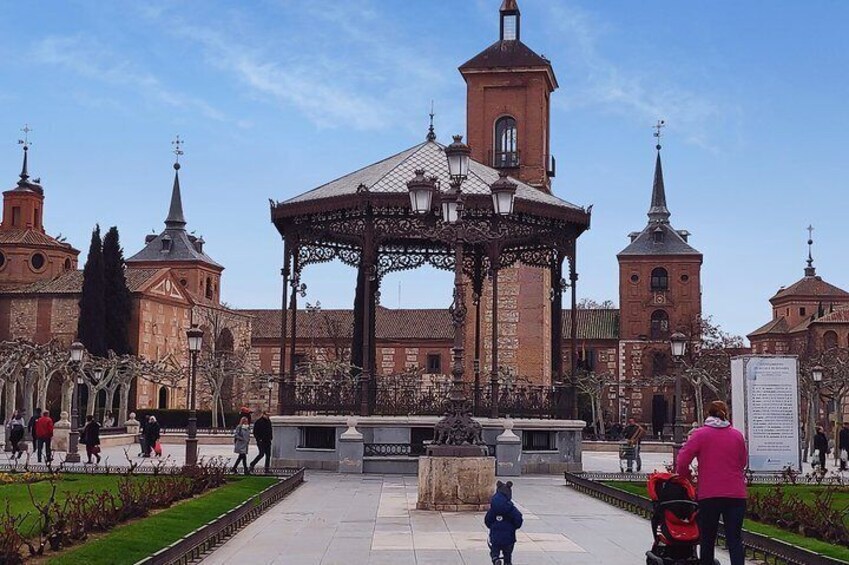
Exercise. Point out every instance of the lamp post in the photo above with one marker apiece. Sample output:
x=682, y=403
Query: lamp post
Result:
x=457, y=429
x=73, y=455
x=270, y=388
x=678, y=342
x=194, y=336
x=816, y=376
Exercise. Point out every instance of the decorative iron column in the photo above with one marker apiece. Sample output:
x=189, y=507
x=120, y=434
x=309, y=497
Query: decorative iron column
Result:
x=477, y=296
x=284, y=398
x=293, y=304
x=561, y=404
x=573, y=322
x=369, y=273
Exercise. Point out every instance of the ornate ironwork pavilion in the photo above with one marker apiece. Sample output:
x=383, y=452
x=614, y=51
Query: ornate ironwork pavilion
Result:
x=365, y=220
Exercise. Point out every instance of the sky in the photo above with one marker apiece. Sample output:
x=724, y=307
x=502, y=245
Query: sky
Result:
x=276, y=97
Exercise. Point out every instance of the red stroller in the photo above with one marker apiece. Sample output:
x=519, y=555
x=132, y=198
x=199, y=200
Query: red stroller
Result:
x=674, y=526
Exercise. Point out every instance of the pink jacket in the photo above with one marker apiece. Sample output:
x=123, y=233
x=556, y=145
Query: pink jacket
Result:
x=721, y=452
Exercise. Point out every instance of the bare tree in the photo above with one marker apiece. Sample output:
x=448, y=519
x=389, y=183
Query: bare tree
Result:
x=592, y=304
x=595, y=386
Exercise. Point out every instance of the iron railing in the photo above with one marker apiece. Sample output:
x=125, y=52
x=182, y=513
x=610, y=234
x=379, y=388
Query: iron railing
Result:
x=390, y=397
x=404, y=449
x=191, y=547
x=769, y=550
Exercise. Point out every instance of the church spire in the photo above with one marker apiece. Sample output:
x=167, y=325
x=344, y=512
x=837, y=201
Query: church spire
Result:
x=810, y=270
x=175, y=219
x=658, y=212
x=510, y=18
x=25, y=142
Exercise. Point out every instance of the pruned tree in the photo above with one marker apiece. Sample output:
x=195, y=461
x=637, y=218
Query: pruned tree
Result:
x=595, y=386
x=834, y=386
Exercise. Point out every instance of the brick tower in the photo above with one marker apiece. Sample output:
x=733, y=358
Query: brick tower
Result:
x=659, y=294
x=27, y=253
x=507, y=124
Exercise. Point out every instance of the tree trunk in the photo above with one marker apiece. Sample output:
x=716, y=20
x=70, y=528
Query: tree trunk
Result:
x=91, y=401
x=216, y=396
x=123, y=404
x=110, y=400
x=698, y=413
x=67, y=395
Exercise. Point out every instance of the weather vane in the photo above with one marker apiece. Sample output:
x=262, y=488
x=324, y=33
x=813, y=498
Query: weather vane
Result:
x=178, y=147
x=25, y=141
x=431, y=135
x=810, y=229
x=657, y=131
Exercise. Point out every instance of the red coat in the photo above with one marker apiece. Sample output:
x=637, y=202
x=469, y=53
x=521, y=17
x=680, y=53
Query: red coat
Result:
x=44, y=428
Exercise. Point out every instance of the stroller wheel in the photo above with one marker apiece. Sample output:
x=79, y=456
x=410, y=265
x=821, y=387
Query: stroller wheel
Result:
x=652, y=559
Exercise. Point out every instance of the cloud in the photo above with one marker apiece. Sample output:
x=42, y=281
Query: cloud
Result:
x=90, y=59
x=632, y=92
x=338, y=65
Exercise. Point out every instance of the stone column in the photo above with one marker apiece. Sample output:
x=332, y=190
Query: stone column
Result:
x=351, y=449
x=61, y=433
x=508, y=452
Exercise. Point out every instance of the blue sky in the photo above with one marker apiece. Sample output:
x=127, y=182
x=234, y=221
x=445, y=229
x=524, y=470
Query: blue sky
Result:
x=276, y=97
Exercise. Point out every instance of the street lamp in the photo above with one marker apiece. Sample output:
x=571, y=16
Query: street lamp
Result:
x=194, y=336
x=458, y=418
x=270, y=388
x=678, y=342
x=816, y=375
x=73, y=455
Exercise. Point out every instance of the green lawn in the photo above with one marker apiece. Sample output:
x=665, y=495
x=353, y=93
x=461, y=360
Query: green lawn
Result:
x=805, y=492
x=131, y=542
x=18, y=496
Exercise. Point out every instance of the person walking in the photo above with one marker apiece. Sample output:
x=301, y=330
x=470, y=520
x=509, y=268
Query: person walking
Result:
x=843, y=445
x=91, y=435
x=15, y=433
x=43, y=434
x=502, y=519
x=241, y=441
x=108, y=420
x=31, y=423
x=152, y=433
x=634, y=433
x=145, y=450
x=263, y=434
x=721, y=490
x=821, y=448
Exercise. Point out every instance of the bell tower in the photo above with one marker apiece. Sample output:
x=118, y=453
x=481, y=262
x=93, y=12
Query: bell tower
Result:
x=508, y=89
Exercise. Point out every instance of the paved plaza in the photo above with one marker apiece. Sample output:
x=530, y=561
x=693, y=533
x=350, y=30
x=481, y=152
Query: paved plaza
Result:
x=371, y=520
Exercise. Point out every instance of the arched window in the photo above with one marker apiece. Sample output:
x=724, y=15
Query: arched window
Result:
x=163, y=398
x=829, y=340
x=659, y=279
x=506, y=143
x=659, y=324
x=209, y=288
x=659, y=364
x=225, y=343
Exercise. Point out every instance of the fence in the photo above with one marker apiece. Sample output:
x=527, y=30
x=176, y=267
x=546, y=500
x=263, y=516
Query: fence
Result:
x=403, y=449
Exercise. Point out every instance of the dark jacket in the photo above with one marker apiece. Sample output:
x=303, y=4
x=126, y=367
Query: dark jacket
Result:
x=91, y=434
x=843, y=439
x=262, y=429
x=31, y=424
x=151, y=433
x=502, y=519
x=821, y=442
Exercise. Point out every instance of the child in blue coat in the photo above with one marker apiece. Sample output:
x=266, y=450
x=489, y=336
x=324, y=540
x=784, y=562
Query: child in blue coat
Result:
x=502, y=519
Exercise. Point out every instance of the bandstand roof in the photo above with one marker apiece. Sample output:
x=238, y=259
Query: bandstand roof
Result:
x=390, y=176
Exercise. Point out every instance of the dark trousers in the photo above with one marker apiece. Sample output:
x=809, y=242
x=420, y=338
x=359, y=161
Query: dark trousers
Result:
x=43, y=444
x=732, y=511
x=243, y=459
x=264, y=447
x=822, y=461
x=506, y=551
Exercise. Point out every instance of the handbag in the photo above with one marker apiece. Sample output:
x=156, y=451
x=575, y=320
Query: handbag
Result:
x=844, y=456
x=157, y=448
x=95, y=449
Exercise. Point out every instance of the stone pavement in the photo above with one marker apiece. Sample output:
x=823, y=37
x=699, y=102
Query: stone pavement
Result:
x=371, y=520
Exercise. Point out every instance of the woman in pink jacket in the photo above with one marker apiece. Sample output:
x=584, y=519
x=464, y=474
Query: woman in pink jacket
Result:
x=721, y=452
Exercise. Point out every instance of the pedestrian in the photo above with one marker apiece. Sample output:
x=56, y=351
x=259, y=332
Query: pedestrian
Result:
x=44, y=436
x=31, y=423
x=843, y=445
x=263, y=434
x=241, y=441
x=15, y=431
x=152, y=433
x=91, y=434
x=145, y=450
x=634, y=433
x=721, y=490
x=502, y=519
x=108, y=420
x=245, y=412
x=821, y=449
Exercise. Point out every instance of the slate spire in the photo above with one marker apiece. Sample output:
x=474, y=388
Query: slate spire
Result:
x=175, y=219
x=658, y=212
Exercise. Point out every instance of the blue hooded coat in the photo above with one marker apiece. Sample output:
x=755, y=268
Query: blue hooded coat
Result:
x=502, y=518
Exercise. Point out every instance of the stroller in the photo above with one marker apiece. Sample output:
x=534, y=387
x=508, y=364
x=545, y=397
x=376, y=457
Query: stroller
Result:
x=627, y=451
x=676, y=533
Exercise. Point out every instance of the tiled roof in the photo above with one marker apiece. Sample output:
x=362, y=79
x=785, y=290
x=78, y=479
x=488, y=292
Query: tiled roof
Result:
x=811, y=286
x=72, y=283
x=840, y=316
x=31, y=237
x=505, y=54
x=599, y=323
x=390, y=324
x=776, y=326
x=392, y=174
x=672, y=243
x=182, y=248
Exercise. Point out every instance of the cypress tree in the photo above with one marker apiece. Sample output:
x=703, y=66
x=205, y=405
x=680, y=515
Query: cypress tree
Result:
x=117, y=295
x=91, y=327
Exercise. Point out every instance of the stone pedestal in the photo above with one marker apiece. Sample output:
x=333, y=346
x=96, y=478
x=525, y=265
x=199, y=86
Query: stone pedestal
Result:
x=61, y=433
x=508, y=452
x=456, y=484
x=351, y=449
x=132, y=424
